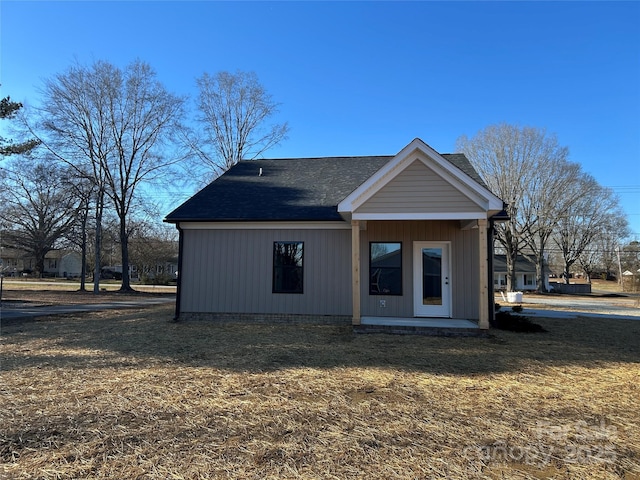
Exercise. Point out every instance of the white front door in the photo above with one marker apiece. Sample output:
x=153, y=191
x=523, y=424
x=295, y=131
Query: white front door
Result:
x=431, y=279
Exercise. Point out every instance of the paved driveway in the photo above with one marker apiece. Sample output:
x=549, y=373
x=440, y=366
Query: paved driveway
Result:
x=21, y=312
x=555, y=306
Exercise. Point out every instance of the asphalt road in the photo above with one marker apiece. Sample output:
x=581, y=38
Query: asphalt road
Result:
x=75, y=285
x=19, y=312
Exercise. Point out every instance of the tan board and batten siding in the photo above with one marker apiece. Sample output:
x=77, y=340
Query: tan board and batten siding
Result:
x=418, y=189
x=230, y=271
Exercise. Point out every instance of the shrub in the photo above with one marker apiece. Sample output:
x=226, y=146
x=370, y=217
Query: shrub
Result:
x=155, y=279
x=515, y=323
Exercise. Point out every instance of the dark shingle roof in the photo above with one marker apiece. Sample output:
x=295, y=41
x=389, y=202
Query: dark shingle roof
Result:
x=463, y=163
x=293, y=189
x=523, y=264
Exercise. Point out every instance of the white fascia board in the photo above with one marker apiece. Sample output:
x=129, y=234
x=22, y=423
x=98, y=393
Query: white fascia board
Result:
x=264, y=225
x=421, y=216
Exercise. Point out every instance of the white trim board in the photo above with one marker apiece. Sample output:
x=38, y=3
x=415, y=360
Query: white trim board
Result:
x=264, y=225
x=421, y=216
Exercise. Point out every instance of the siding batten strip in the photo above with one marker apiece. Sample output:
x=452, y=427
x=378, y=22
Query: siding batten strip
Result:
x=483, y=301
x=355, y=270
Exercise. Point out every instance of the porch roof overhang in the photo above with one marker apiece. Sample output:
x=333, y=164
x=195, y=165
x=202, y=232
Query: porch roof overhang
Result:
x=348, y=216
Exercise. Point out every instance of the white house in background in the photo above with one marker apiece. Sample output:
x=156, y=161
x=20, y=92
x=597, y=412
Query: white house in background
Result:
x=62, y=264
x=525, y=274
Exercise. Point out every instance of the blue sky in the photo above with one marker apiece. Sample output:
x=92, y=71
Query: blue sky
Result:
x=361, y=78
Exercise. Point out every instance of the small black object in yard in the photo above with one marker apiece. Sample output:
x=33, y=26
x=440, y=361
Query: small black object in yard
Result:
x=515, y=323
x=496, y=306
x=517, y=308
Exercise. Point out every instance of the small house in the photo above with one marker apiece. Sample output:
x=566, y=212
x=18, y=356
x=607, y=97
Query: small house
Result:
x=525, y=273
x=57, y=263
x=62, y=264
x=357, y=239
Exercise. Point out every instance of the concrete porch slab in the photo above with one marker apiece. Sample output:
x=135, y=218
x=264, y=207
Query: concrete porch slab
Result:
x=419, y=322
x=446, y=327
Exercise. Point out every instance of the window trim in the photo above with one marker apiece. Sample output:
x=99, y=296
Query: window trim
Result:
x=399, y=268
x=276, y=267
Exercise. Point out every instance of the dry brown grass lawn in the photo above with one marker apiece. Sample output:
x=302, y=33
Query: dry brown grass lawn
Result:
x=131, y=395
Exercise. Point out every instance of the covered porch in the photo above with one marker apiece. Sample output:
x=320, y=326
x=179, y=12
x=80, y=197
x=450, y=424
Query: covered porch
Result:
x=429, y=218
x=452, y=298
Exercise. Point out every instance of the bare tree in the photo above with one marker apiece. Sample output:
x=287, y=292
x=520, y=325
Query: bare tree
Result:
x=117, y=120
x=595, y=211
x=74, y=115
x=37, y=210
x=234, y=111
x=82, y=188
x=550, y=196
x=600, y=255
x=513, y=162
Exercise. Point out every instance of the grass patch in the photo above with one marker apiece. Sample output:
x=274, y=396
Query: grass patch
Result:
x=132, y=395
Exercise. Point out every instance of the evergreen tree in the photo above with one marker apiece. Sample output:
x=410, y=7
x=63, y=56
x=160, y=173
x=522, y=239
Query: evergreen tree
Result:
x=8, y=110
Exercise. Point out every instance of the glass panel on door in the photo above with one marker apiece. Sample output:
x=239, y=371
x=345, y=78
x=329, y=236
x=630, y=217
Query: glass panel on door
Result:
x=432, y=276
x=431, y=283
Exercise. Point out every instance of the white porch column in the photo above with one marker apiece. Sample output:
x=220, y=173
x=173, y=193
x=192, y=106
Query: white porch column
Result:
x=355, y=270
x=483, y=281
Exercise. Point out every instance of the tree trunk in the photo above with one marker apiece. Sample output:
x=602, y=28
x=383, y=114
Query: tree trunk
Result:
x=124, y=245
x=507, y=238
x=98, y=243
x=511, y=270
x=83, y=267
x=565, y=273
x=40, y=264
x=588, y=275
x=540, y=283
x=83, y=248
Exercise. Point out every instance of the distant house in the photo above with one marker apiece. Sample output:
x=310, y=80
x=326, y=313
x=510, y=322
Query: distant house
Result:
x=63, y=263
x=57, y=263
x=344, y=238
x=525, y=274
x=12, y=261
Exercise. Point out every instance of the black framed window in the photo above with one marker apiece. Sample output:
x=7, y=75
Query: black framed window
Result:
x=288, y=267
x=385, y=268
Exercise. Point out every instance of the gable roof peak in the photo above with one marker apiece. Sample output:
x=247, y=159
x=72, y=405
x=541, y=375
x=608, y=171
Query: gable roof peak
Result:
x=454, y=168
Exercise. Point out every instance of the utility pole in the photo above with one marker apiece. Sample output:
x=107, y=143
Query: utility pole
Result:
x=619, y=265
